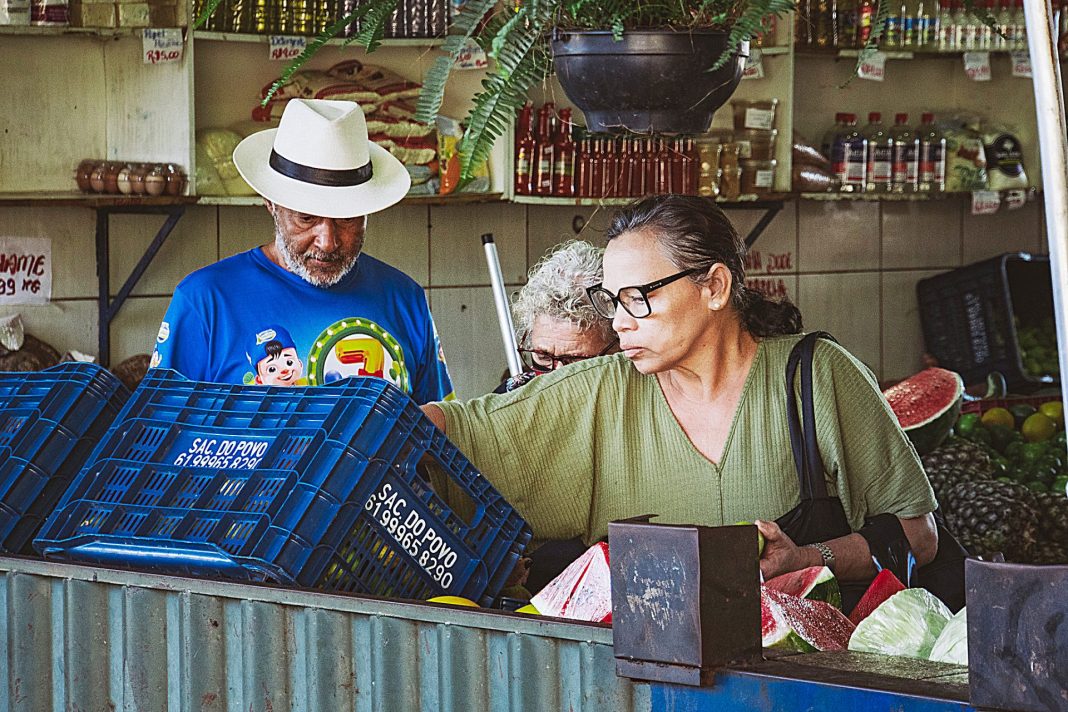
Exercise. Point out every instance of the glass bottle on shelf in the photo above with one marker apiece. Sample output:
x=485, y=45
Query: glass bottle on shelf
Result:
x=825, y=23
x=636, y=188
x=847, y=22
x=906, y=167
x=564, y=156
x=543, y=167
x=849, y=156
x=891, y=38
x=946, y=27
x=525, y=146
x=927, y=26
x=984, y=34
x=908, y=25
x=597, y=169
x=832, y=133
x=960, y=25
x=932, y=156
x=866, y=16
x=880, y=155
x=1019, y=27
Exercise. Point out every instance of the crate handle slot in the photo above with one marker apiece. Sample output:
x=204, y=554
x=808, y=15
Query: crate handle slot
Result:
x=191, y=556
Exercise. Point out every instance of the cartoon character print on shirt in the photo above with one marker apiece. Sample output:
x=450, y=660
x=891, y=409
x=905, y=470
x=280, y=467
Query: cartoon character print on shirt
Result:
x=357, y=347
x=272, y=353
x=349, y=347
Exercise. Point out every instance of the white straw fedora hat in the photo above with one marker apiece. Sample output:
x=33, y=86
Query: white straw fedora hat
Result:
x=320, y=162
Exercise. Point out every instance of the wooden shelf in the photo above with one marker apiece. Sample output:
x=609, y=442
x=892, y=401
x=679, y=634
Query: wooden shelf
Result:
x=106, y=201
x=263, y=39
x=102, y=32
x=60, y=199
x=847, y=53
x=609, y=202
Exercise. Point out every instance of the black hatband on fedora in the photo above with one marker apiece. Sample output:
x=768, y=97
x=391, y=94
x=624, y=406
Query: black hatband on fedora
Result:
x=331, y=178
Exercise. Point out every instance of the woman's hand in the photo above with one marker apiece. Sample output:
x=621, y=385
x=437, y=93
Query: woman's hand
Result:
x=781, y=554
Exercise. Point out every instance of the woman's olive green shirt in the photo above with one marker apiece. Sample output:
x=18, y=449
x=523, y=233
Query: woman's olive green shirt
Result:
x=597, y=441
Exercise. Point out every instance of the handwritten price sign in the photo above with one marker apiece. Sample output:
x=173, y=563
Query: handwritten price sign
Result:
x=25, y=270
x=873, y=67
x=985, y=202
x=754, y=65
x=282, y=48
x=1021, y=64
x=977, y=66
x=162, y=46
x=471, y=57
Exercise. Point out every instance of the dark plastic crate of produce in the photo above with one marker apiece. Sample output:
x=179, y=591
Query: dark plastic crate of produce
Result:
x=994, y=315
x=313, y=486
x=50, y=421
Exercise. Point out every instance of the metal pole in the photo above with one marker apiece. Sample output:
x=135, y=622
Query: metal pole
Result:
x=1053, y=147
x=500, y=300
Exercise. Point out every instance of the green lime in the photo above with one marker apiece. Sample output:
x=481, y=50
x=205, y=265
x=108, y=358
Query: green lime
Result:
x=982, y=436
x=1032, y=453
x=760, y=538
x=1038, y=428
x=1036, y=486
x=1060, y=484
x=1054, y=410
x=998, y=416
x=968, y=424
x=1000, y=436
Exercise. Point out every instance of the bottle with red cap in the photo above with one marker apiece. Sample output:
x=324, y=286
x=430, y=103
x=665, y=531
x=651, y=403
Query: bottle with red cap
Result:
x=932, y=156
x=880, y=155
x=906, y=168
x=525, y=146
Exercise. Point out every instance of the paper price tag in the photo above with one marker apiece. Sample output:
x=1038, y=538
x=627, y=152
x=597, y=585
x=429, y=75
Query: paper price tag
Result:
x=282, y=48
x=471, y=57
x=1021, y=64
x=985, y=202
x=161, y=45
x=1015, y=199
x=754, y=65
x=977, y=66
x=25, y=270
x=873, y=67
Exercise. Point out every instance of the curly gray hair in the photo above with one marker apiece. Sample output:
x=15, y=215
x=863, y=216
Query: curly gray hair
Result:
x=556, y=287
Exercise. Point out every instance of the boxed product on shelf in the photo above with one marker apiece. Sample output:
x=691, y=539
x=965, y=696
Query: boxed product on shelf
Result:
x=315, y=486
x=50, y=421
x=977, y=319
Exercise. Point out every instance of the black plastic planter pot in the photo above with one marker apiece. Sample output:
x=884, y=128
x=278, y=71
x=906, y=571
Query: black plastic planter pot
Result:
x=651, y=81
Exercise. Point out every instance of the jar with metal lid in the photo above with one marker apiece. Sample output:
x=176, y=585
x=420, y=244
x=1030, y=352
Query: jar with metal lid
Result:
x=757, y=176
x=756, y=145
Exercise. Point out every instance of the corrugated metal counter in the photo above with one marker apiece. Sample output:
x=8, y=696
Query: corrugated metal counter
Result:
x=88, y=639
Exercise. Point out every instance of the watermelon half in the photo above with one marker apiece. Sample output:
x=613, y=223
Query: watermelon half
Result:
x=801, y=624
x=927, y=405
x=815, y=582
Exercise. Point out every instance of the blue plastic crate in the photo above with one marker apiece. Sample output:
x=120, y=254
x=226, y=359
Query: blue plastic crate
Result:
x=315, y=486
x=50, y=421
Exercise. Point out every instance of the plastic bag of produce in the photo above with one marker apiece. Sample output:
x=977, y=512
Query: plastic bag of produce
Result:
x=1004, y=158
x=965, y=158
x=907, y=624
x=952, y=644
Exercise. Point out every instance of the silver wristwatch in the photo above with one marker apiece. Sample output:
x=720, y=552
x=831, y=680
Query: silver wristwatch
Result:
x=826, y=553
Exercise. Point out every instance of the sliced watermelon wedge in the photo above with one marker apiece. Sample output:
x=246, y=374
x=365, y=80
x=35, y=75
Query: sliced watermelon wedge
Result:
x=927, y=405
x=882, y=587
x=815, y=582
x=801, y=624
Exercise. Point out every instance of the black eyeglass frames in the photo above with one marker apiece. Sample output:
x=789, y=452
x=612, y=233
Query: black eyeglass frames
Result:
x=635, y=300
x=542, y=362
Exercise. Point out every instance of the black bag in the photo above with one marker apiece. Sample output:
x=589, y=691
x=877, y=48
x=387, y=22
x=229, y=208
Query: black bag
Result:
x=819, y=517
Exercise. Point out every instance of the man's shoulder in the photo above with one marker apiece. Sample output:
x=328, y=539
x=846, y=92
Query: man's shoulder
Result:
x=375, y=269
x=219, y=274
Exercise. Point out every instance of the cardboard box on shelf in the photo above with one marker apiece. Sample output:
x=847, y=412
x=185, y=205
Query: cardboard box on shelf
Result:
x=134, y=15
x=91, y=14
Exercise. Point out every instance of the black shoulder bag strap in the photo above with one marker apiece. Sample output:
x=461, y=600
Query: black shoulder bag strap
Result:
x=818, y=517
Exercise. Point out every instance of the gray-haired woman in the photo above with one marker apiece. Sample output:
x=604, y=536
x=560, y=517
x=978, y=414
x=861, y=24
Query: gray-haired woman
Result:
x=555, y=322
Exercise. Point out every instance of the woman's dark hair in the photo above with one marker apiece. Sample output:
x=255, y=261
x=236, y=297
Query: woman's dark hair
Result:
x=694, y=232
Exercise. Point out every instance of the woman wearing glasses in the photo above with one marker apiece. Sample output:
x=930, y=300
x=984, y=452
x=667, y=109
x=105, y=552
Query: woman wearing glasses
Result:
x=555, y=323
x=689, y=421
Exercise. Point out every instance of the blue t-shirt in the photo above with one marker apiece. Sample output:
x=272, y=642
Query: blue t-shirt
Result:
x=247, y=320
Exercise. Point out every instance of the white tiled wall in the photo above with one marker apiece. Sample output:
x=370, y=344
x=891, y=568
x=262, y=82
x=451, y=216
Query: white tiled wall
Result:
x=851, y=267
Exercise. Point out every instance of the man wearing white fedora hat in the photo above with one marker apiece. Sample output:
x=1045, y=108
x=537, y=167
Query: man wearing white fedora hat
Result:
x=308, y=308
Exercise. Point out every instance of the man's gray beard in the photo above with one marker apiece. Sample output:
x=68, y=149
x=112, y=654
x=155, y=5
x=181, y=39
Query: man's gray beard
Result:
x=299, y=267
